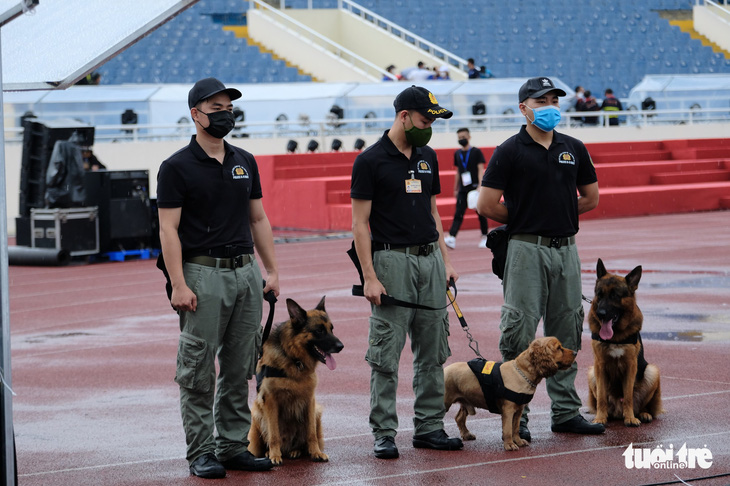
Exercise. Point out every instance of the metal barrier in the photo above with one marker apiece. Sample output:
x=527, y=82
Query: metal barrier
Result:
x=375, y=126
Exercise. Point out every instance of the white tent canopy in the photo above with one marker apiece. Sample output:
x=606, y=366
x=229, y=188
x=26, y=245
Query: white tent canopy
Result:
x=683, y=91
x=60, y=41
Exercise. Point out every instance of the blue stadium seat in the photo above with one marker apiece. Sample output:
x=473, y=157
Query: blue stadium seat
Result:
x=618, y=35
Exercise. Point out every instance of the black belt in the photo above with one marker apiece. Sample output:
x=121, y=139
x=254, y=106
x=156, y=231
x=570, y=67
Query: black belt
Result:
x=545, y=240
x=234, y=262
x=228, y=251
x=420, y=250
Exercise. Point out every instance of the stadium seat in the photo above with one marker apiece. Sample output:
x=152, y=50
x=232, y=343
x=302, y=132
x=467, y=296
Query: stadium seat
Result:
x=494, y=32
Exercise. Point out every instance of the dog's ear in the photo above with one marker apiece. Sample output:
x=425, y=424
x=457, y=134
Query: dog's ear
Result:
x=600, y=269
x=297, y=314
x=542, y=354
x=632, y=279
x=320, y=306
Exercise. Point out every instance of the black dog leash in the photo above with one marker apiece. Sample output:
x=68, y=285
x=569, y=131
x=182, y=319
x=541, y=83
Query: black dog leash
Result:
x=385, y=299
x=357, y=290
x=271, y=299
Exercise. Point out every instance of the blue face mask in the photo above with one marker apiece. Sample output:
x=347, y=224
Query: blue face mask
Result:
x=546, y=118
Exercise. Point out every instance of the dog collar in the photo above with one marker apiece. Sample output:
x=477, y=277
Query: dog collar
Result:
x=632, y=339
x=529, y=381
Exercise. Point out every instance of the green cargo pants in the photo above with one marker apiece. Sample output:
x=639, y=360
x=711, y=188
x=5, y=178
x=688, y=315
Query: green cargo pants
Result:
x=543, y=282
x=422, y=280
x=226, y=324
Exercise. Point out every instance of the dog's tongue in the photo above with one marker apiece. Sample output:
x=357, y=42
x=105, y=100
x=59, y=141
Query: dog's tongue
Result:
x=329, y=361
x=606, y=331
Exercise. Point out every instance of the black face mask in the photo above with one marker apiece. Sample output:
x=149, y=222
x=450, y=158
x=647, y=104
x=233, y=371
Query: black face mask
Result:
x=463, y=142
x=221, y=123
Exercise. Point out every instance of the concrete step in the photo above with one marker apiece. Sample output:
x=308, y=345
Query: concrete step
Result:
x=688, y=177
x=640, y=173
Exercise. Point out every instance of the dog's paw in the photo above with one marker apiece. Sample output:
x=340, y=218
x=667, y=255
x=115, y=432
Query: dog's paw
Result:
x=511, y=446
x=646, y=417
x=296, y=454
x=275, y=458
x=520, y=442
x=632, y=422
x=468, y=436
x=320, y=457
x=600, y=419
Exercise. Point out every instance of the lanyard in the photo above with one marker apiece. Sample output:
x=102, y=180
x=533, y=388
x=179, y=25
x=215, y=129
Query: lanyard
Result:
x=464, y=163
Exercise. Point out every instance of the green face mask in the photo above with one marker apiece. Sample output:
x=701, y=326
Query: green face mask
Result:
x=417, y=137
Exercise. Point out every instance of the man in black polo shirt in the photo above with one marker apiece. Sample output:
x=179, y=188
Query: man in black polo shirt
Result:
x=211, y=216
x=393, y=190
x=538, y=171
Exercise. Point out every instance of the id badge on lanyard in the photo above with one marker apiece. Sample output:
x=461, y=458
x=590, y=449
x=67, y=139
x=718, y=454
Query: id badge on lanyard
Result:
x=413, y=185
x=466, y=175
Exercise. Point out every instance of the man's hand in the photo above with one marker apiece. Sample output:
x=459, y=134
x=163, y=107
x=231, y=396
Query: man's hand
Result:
x=272, y=283
x=373, y=289
x=450, y=274
x=184, y=299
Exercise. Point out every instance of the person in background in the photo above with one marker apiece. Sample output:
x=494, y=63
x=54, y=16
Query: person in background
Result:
x=547, y=180
x=589, y=103
x=472, y=71
x=391, y=70
x=90, y=161
x=421, y=73
x=469, y=162
x=578, y=98
x=611, y=104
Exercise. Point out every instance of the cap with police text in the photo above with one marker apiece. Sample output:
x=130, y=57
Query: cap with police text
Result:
x=205, y=88
x=422, y=101
x=538, y=87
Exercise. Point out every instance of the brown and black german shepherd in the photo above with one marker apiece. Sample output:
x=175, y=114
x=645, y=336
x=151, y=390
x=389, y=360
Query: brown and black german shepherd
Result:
x=285, y=418
x=621, y=383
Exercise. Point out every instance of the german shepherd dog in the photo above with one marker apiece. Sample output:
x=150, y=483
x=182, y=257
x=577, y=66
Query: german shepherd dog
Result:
x=621, y=383
x=519, y=377
x=285, y=418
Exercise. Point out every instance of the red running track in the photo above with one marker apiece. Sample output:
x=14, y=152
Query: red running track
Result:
x=93, y=360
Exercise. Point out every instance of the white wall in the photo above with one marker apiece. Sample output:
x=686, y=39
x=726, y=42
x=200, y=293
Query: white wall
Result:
x=713, y=23
x=368, y=41
x=149, y=155
x=311, y=58
x=363, y=38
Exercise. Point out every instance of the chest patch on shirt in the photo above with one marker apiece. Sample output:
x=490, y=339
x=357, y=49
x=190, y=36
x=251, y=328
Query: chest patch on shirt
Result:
x=423, y=167
x=239, y=172
x=566, y=158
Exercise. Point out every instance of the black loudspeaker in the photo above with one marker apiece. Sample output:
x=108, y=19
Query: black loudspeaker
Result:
x=39, y=137
x=125, y=210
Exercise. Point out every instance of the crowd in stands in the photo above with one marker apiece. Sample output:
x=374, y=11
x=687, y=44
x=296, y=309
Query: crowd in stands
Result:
x=421, y=72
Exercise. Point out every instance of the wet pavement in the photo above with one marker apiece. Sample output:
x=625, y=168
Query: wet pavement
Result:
x=93, y=355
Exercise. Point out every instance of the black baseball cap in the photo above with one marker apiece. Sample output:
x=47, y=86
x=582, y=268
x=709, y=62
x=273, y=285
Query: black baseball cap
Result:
x=538, y=87
x=205, y=88
x=422, y=101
